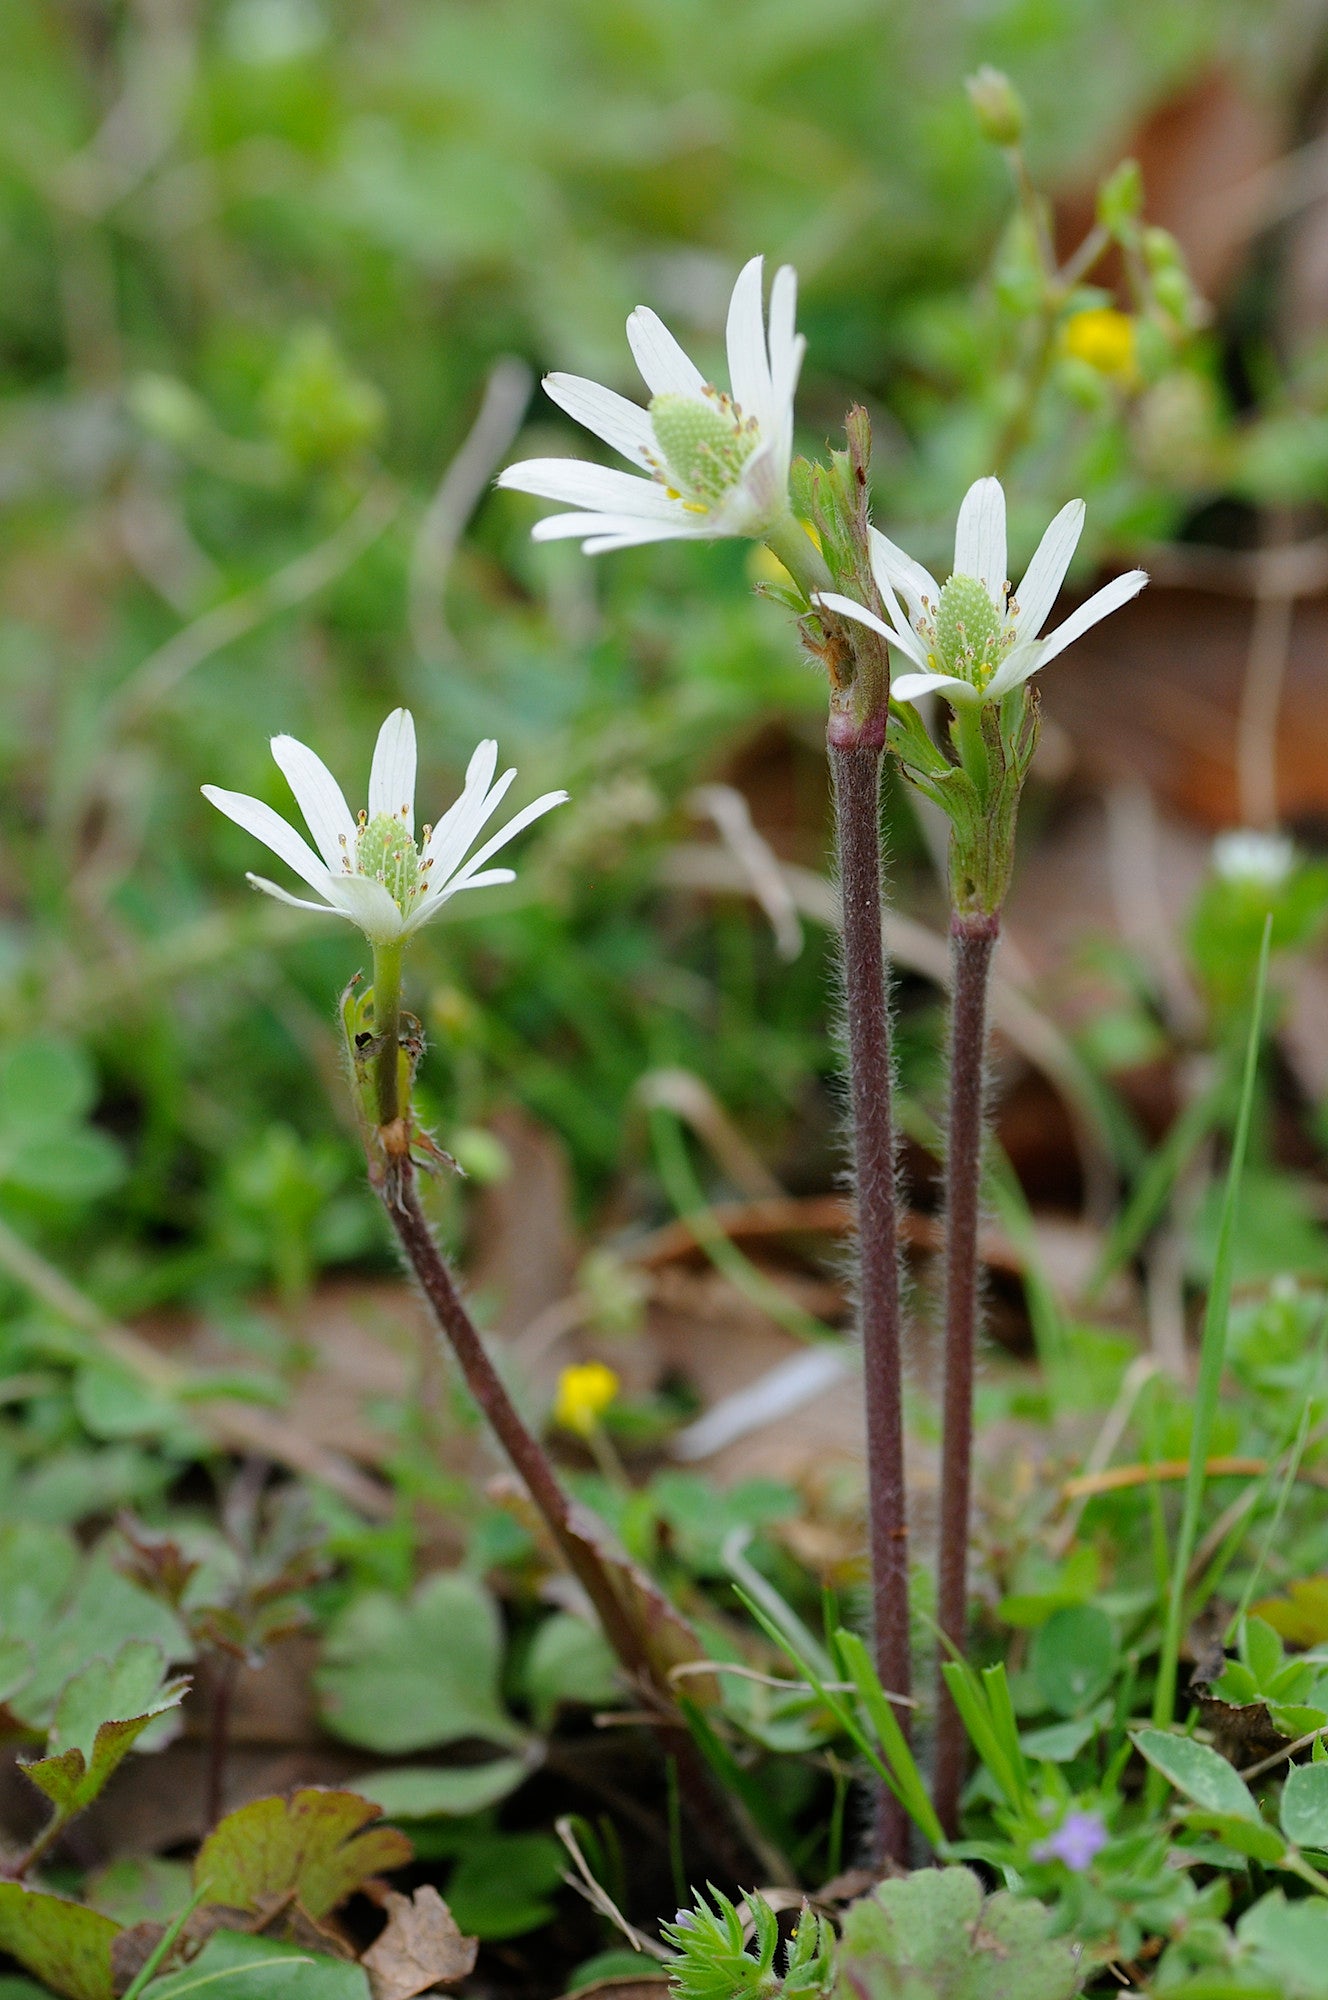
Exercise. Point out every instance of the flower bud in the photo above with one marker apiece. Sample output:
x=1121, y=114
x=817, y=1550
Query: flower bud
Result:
x=1120, y=198
x=997, y=106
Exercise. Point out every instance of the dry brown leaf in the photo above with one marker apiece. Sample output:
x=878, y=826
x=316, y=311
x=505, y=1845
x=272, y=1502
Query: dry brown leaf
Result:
x=131, y=1950
x=420, y=1948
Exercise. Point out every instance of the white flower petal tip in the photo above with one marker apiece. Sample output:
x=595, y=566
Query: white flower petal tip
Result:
x=710, y=463
x=373, y=872
x=974, y=640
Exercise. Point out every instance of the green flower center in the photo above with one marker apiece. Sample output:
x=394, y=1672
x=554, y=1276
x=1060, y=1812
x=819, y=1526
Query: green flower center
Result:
x=969, y=631
x=704, y=441
x=385, y=852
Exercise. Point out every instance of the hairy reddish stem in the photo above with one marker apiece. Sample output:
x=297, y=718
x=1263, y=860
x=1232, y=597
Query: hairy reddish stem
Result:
x=856, y=768
x=973, y=940
x=400, y=1196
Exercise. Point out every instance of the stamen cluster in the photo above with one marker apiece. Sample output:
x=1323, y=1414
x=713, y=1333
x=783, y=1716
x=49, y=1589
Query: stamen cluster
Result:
x=967, y=635
x=385, y=852
x=704, y=442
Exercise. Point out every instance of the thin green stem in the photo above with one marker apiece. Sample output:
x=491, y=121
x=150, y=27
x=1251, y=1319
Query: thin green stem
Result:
x=790, y=542
x=387, y=960
x=973, y=940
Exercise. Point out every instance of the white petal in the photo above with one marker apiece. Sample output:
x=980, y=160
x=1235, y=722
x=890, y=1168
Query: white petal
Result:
x=1021, y=661
x=906, y=638
x=468, y=804
x=580, y=484
x=749, y=364
x=644, y=532
x=296, y=902
x=980, y=538
x=665, y=369
x=610, y=416
x=319, y=797
x=1100, y=605
x=910, y=687
x=392, y=778
x=848, y=607
x=514, y=826
x=368, y=904
x=274, y=832
x=786, y=349
x=459, y=826
x=760, y=496
x=1046, y=573
x=630, y=527
x=891, y=564
x=429, y=906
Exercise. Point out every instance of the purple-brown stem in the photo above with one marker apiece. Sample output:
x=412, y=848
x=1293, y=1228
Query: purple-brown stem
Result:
x=225, y=1668
x=401, y=1201
x=856, y=768
x=972, y=939
x=527, y=1455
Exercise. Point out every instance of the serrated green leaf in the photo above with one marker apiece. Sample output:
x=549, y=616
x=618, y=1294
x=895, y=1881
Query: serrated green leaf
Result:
x=100, y=1716
x=934, y=1933
x=397, y=1676
x=67, y=1946
x=1198, y=1772
x=318, y=1845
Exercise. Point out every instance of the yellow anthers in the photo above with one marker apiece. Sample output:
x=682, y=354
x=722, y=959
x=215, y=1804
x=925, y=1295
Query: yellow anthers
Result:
x=585, y=1391
x=1105, y=340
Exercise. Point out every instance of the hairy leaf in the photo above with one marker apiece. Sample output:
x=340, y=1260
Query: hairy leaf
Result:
x=100, y=1716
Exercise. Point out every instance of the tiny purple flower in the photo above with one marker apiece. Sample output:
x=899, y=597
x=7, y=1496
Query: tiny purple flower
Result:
x=1076, y=1841
x=684, y=1921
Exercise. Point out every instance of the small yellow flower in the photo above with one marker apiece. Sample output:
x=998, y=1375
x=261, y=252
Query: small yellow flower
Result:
x=585, y=1392
x=1105, y=339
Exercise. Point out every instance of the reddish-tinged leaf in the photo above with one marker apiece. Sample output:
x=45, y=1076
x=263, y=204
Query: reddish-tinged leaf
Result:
x=65, y=1945
x=318, y=1846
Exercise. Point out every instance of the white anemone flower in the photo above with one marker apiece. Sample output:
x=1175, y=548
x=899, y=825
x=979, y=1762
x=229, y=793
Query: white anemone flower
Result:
x=972, y=640
x=716, y=462
x=370, y=869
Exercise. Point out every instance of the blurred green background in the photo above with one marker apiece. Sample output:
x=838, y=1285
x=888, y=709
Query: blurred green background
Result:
x=260, y=259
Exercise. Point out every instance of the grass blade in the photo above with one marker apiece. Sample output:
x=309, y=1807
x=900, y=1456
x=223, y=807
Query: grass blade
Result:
x=1212, y=1359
